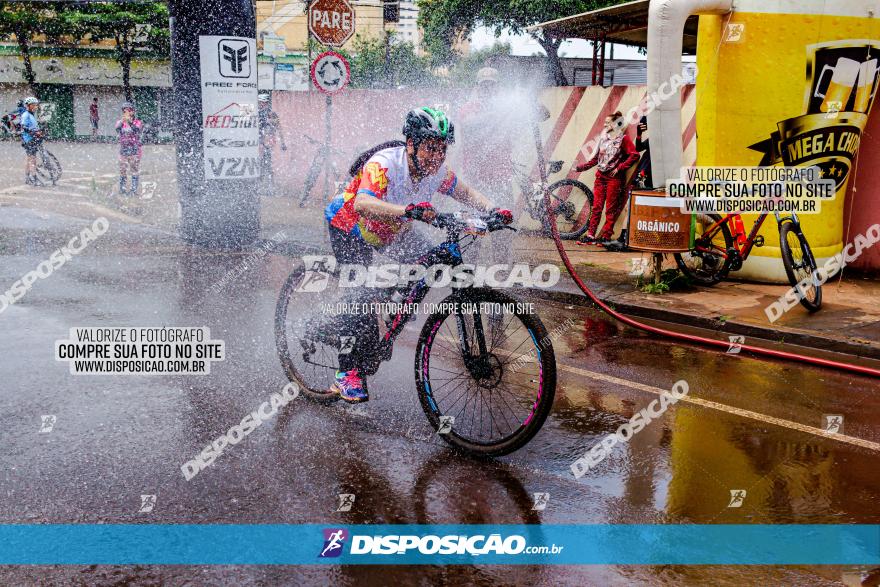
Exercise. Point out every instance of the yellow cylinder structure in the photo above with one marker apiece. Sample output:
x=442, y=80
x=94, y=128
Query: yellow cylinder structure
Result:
x=791, y=83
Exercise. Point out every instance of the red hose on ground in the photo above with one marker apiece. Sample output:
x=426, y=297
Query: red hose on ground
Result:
x=690, y=337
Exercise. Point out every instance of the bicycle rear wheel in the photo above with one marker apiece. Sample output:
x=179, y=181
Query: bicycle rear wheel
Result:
x=485, y=362
x=304, y=338
x=797, y=257
x=708, y=262
x=571, y=203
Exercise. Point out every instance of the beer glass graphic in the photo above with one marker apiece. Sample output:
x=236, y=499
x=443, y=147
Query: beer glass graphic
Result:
x=843, y=80
x=866, y=87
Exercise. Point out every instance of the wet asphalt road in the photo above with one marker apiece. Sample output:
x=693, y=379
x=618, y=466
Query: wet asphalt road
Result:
x=118, y=437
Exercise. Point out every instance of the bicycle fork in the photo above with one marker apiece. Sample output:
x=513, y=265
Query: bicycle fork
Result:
x=478, y=365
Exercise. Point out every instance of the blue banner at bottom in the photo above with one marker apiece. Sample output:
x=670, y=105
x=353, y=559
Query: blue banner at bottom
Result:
x=195, y=544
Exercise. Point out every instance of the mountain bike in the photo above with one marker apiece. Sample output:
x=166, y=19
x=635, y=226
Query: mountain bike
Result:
x=485, y=370
x=571, y=202
x=716, y=253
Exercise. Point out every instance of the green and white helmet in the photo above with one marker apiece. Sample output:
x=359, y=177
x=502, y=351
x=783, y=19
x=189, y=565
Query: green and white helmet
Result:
x=428, y=123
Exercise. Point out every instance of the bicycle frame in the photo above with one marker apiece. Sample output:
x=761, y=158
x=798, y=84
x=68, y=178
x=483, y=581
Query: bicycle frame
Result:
x=746, y=249
x=446, y=253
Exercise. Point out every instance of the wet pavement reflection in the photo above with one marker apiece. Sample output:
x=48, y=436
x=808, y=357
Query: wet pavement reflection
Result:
x=118, y=437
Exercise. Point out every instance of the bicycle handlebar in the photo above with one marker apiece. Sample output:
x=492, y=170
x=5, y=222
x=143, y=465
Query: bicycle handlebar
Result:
x=455, y=222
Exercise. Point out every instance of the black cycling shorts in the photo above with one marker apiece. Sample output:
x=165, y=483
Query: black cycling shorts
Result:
x=30, y=148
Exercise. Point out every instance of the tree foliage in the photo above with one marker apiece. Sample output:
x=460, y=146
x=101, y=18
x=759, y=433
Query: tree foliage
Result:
x=135, y=27
x=388, y=63
x=464, y=72
x=377, y=64
x=26, y=21
x=444, y=22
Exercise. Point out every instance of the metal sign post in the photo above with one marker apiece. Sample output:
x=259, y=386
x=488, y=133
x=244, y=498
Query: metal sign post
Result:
x=330, y=75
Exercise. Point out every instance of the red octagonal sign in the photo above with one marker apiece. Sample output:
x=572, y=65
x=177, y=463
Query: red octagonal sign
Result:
x=331, y=21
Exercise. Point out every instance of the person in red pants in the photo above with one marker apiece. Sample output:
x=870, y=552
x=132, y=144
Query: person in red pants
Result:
x=616, y=154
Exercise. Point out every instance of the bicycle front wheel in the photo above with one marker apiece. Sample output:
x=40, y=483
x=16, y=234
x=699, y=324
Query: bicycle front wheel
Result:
x=800, y=266
x=485, y=372
x=571, y=203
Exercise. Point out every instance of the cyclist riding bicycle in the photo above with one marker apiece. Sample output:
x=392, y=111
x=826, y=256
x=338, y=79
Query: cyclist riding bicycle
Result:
x=31, y=136
x=393, y=187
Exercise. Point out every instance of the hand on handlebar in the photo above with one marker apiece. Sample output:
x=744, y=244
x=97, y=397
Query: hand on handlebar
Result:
x=422, y=211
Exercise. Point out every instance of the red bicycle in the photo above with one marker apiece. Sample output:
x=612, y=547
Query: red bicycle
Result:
x=716, y=252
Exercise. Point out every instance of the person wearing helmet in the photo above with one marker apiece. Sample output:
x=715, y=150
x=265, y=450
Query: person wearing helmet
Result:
x=129, y=129
x=393, y=185
x=270, y=128
x=31, y=136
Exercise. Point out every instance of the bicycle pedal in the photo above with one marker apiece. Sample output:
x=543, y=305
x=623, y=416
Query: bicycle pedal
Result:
x=759, y=241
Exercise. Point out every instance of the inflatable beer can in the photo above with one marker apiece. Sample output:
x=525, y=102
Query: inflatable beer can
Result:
x=789, y=83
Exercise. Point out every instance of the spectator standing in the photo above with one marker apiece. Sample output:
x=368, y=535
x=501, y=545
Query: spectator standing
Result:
x=129, y=130
x=94, y=118
x=616, y=154
x=641, y=180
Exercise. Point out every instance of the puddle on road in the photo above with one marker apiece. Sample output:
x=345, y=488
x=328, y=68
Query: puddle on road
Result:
x=703, y=465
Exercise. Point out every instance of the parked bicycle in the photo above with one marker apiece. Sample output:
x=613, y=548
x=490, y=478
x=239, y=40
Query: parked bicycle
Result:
x=571, y=202
x=482, y=358
x=324, y=160
x=716, y=253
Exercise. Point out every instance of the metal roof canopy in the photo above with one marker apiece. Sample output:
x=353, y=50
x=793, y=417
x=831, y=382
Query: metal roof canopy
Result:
x=624, y=24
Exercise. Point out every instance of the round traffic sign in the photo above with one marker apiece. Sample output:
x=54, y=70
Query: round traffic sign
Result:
x=330, y=72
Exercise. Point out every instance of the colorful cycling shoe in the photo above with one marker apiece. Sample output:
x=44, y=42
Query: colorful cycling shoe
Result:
x=350, y=387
